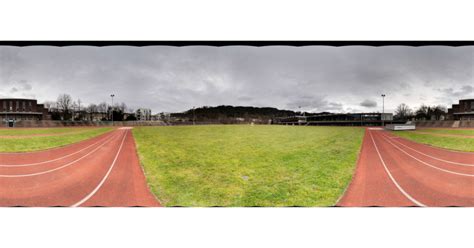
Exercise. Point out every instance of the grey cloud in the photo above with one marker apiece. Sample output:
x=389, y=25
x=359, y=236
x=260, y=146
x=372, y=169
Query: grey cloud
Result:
x=316, y=104
x=450, y=93
x=25, y=85
x=21, y=85
x=167, y=78
x=368, y=103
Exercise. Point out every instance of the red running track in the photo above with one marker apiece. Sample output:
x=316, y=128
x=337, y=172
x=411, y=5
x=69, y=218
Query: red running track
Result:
x=102, y=171
x=394, y=172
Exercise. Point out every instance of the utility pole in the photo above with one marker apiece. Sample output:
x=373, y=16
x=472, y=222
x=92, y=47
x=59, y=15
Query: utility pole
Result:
x=383, y=110
x=194, y=115
x=112, y=109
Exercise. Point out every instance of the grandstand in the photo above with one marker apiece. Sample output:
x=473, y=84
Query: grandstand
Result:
x=339, y=119
x=446, y=124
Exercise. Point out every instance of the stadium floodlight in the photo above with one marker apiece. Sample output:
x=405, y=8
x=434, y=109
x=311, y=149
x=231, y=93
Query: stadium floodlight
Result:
x=383, y=109
x=112, y=96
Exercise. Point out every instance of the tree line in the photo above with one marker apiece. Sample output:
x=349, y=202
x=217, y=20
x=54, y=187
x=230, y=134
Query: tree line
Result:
x=403, y=112
x=225, y=112
x=66, y=108
x=221, y=113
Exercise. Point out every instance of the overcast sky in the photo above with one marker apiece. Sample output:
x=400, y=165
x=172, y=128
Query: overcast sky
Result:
x=169, y=79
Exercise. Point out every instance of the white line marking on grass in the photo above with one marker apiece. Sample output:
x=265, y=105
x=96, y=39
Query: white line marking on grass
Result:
x=77, y=204
x=61, y=167
x=408, y=196
x=428, y=164
x=52, y=160
x=439, y=159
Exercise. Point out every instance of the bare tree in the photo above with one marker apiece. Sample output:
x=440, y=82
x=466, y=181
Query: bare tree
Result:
x=91, y=110
x=64, y=103
x=50, y=105
x=438, y=111
x=422, y=113
x=403, y=112
x=122, y=107
x=102, y=108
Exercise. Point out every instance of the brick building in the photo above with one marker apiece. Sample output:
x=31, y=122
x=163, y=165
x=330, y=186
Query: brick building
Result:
x=16, y=109
x=464, y=110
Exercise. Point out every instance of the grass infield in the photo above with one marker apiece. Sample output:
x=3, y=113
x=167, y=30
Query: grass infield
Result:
x=243, y=165
x=46, y=142
x=41, y=131
x=468, y=132
x=448, y=142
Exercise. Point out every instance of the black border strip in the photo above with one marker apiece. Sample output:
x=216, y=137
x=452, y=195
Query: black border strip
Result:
x=177, y=43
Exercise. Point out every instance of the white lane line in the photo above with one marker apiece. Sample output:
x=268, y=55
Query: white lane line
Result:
x=52, y=160
x=61, y=167
x=439, y=159
x=393, y=179
x=428, y=164
x=77, y=204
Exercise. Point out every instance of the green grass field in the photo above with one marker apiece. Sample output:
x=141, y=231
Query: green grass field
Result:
x=41, y=143
x=243, y=165
x=34, y=131
x=453, y=143
x=469, y=132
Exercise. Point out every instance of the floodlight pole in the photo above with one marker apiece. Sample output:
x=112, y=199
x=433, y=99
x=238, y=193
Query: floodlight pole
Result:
x=383, y=109
x=112, y=109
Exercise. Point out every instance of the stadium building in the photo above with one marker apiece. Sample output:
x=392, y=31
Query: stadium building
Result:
x=341, y=119
x=464, y=110
x=16, y=109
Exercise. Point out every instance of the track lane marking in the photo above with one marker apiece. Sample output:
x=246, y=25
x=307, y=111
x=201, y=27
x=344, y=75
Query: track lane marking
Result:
x=408, y=196
x=58, y=168
x=53, y=160
x=428, y=164
x=92, y=193
x=439, y=159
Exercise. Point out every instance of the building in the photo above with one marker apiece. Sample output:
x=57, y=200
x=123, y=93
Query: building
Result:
x=143, y=114
x=340, y=119
x=16, y=109
x=464, y=110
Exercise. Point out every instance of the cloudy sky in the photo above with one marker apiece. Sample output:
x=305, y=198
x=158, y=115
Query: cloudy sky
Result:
x=317, y=78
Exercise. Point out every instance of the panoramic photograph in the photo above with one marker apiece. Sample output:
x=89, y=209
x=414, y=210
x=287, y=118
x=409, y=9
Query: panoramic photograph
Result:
x=236, y=126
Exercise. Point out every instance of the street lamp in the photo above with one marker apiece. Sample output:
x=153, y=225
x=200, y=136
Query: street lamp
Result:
x=112, y=96
x=383, y=109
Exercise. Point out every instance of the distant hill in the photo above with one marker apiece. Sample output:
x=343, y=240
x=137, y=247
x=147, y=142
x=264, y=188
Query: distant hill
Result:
x=232, y=112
